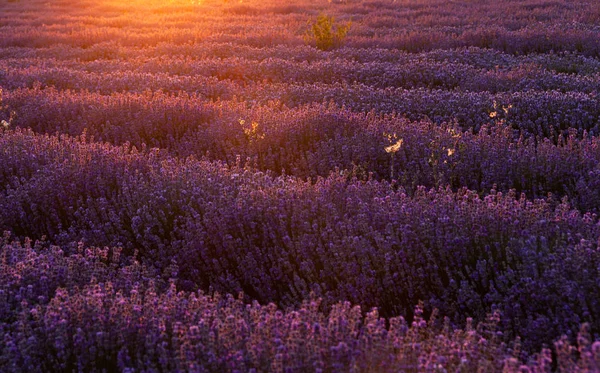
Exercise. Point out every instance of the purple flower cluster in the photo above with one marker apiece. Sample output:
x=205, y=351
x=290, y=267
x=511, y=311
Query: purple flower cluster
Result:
x=385, y=70
x=93, y=311
x=545, y=114
x=279, y=238
x=315, y=140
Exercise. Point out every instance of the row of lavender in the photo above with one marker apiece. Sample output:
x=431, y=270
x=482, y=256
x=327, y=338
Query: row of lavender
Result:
x=281, y=239
x=543, y=113
x=426, y=70
x=315, y=140
x=477, y=58
x=93, y=311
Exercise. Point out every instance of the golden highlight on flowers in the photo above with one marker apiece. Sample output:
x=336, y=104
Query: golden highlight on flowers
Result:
x=395, y=147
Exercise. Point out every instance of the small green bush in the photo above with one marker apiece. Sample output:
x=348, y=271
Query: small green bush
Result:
x=325, y=34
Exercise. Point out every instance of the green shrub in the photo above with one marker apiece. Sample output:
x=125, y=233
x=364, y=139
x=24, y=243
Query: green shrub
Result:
x=325, y=34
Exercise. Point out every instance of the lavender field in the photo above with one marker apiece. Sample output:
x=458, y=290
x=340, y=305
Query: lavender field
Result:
x=299, y=186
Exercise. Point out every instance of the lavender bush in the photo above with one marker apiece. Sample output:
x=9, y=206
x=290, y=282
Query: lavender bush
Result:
x=107, y=313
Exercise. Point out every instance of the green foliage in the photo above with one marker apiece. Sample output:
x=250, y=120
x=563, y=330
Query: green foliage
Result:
x=325, y=34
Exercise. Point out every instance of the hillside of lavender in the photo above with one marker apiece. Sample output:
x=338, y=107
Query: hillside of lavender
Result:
x=210, y=186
